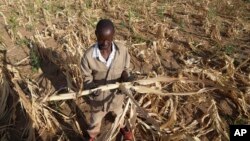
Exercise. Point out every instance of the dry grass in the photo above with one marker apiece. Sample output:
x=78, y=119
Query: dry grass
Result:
x=203, y=46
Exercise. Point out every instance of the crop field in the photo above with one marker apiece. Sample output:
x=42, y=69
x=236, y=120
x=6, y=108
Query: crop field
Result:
x=190, y=58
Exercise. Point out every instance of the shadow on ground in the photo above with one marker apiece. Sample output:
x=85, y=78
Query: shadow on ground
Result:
x=53, y=78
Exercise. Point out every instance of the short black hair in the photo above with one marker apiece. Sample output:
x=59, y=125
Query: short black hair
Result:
x=103, y=24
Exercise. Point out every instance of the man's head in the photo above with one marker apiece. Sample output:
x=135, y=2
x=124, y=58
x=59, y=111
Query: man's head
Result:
x=104, y=32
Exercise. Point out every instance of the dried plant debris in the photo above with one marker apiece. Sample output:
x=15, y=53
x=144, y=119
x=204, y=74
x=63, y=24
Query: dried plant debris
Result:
x=190, y=60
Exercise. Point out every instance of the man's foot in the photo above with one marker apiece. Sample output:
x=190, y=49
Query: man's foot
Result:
x=91, y=139
x=88, y=138
x=127, y=135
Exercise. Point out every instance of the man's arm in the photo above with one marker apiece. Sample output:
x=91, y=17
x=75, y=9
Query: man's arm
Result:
x=87, y=72
x=126, y=72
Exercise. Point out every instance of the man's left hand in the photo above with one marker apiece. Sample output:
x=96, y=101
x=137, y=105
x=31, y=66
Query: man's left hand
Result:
x=125, y=77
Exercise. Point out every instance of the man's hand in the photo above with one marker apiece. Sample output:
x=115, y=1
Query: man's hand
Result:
x=125, y=77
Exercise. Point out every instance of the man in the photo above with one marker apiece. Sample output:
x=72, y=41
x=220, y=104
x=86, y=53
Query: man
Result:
x=103, y=63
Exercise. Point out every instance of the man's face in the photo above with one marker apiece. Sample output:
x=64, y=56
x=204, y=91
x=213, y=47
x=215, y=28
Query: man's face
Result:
x=105, y=38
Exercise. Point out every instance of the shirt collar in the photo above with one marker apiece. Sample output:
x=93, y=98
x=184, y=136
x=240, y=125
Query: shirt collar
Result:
x=97, y=55
x=97, y=52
